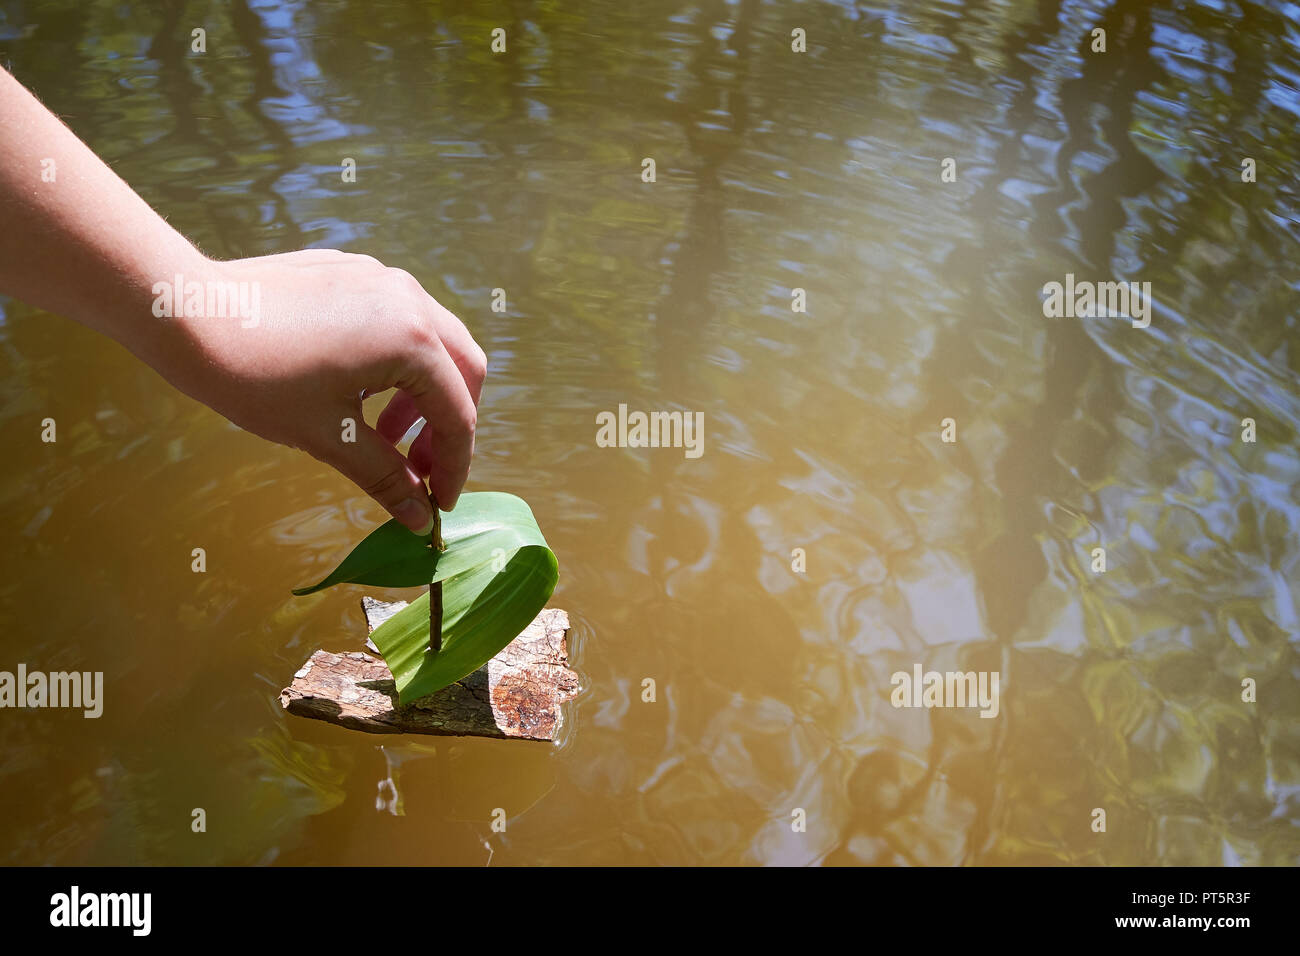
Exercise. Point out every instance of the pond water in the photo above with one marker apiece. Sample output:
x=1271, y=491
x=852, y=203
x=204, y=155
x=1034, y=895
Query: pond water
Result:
x=775, y=171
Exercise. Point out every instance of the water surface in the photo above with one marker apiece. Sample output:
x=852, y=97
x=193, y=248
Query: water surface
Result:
x=775, y=171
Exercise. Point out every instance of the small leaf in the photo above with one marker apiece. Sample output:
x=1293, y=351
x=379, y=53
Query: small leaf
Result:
x=390, y=556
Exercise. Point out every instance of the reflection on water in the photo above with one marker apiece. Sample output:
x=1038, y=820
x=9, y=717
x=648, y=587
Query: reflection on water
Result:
x=775, y=171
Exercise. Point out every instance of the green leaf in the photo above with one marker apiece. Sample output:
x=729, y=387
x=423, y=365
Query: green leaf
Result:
x=390, y=556
x=497, y=573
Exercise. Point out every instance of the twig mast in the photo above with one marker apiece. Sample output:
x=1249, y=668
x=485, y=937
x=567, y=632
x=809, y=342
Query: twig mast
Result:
x=435, y=588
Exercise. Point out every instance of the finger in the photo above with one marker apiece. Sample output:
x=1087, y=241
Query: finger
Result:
x=443, y=398
x=465, y=352
x=397, y=417
x=460, y=345
x=382, y=472
x=421, y=453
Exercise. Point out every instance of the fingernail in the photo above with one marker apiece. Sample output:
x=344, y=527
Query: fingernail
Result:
x=416, y=514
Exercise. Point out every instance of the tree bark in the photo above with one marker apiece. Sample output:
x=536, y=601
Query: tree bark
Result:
x=519, y=693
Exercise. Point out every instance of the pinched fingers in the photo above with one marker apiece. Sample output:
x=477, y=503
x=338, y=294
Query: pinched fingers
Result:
x=468, y=357
x=440, y=393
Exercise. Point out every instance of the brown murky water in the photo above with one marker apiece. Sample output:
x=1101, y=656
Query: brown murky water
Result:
x=775, y=170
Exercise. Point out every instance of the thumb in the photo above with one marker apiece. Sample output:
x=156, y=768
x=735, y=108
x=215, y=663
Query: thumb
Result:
x=382, y=472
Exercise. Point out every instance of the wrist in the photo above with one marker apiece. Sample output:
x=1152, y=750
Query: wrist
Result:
x=165, y=302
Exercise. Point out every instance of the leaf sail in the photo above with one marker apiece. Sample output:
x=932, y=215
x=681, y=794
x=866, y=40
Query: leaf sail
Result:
x=390, y=556
x=497, y=573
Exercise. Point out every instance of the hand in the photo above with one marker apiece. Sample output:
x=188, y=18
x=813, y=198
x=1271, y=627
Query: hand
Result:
x=328, y=325
x=318, y=327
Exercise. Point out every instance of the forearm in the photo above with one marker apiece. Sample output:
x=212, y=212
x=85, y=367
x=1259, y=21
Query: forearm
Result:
x=77, y=240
